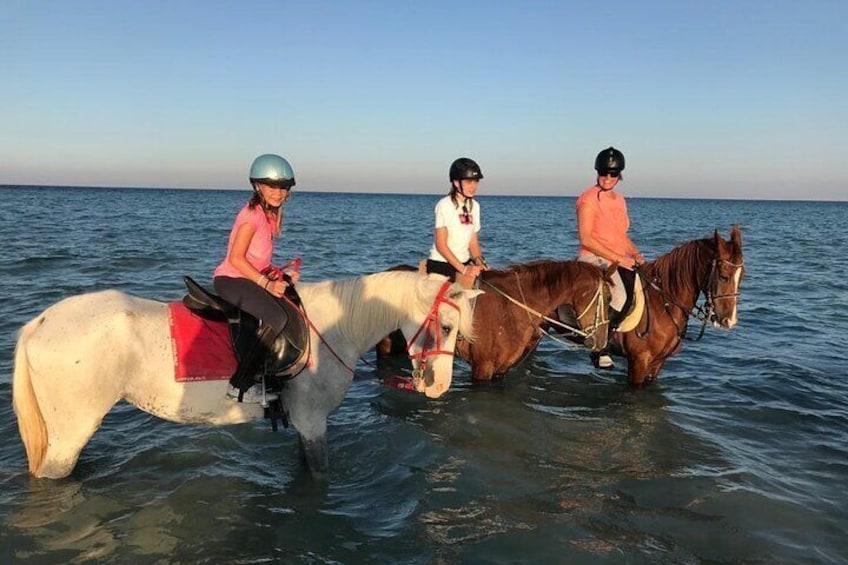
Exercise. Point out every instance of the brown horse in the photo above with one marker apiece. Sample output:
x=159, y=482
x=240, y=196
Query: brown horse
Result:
x=672, y=284
x=508, y=318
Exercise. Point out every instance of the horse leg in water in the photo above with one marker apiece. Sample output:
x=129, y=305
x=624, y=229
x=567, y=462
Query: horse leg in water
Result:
x=60, y=394
x=307, y=402
x=392, y=345
x=313, y=449
x=655, y=367
x=638, y=368
x=483, y=370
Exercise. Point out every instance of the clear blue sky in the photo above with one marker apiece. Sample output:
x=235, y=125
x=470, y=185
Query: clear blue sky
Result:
x=723, y=99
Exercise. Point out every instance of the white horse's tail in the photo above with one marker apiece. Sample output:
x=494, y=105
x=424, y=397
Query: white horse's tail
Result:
x=30, y=420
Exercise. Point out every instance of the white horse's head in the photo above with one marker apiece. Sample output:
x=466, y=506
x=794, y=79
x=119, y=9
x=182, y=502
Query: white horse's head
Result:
x=443, y=313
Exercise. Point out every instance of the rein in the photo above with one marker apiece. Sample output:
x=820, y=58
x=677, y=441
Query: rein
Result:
x=432, y=316
x=597, y=301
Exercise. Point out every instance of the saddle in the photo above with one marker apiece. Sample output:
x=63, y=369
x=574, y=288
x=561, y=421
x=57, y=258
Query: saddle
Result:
x=243, y=328
x=629, y=319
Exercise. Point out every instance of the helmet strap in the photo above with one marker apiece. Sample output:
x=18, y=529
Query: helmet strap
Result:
x=461, y=190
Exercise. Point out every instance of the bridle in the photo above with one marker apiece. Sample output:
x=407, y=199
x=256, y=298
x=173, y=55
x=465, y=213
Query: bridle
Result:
x=705, y=313
x=431, y=327
x=600, y=309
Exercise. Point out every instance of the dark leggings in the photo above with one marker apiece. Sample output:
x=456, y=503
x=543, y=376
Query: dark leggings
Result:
x=628, y=277
x=444, y=268
x=253, y=299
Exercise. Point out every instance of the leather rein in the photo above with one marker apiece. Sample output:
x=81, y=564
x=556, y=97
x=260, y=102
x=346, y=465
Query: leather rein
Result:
x=597, y=302
x=432, y=318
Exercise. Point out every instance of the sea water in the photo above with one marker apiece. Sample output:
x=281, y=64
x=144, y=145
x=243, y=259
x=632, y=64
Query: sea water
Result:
x=738, y=453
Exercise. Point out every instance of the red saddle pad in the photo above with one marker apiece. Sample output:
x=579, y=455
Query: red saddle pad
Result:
x=202, y=349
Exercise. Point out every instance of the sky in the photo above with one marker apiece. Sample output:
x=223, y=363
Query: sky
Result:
x=718, y=99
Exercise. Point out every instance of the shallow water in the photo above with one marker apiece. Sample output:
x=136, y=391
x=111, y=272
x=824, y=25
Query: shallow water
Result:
x=737, y=454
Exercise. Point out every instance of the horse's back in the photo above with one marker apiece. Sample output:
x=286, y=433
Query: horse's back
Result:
x=86, y=328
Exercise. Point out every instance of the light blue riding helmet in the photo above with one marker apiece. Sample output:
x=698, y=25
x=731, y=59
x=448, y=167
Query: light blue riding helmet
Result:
x=272, y=169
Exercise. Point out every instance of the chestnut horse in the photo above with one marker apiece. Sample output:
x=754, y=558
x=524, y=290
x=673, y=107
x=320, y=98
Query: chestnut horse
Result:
x=509, y=316
x=672, y=284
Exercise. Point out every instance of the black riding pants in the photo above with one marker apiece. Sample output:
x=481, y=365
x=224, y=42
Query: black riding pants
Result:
x=253, y=299
x=444, y=268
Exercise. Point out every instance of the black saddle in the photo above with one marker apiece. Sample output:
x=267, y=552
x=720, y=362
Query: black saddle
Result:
x=244, y=327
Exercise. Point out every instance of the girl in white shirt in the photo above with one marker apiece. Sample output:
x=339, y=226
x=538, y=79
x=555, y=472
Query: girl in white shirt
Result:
x=456, y=251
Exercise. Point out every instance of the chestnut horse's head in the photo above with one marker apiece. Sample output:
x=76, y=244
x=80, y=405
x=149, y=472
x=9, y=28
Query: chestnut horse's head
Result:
x=722, y=287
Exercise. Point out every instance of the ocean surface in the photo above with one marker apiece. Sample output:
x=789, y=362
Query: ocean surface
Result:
x=738, y=454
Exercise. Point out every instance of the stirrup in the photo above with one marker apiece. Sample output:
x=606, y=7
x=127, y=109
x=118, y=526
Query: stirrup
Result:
x=254, y=395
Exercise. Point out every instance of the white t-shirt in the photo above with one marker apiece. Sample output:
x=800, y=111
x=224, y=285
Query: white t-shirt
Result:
x=460, y=232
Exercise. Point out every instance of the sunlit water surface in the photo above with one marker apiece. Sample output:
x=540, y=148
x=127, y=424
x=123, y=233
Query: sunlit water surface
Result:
x=737, y=454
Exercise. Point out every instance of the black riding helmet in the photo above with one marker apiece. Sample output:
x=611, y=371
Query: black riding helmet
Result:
x=610, y=159
x=465, y=169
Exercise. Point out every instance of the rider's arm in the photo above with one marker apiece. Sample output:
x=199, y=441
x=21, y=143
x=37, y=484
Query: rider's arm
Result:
x=477, y=252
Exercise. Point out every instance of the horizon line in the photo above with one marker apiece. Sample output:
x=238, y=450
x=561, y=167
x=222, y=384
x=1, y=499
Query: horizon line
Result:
x=381, y=193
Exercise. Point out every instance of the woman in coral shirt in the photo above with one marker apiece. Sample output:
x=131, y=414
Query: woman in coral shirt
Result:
x=602, y=224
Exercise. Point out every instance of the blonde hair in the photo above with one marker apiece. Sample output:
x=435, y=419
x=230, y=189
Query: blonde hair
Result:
x=271, y=213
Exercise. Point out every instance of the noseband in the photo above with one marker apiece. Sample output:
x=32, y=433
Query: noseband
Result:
x=708, y=309
x=433, y=337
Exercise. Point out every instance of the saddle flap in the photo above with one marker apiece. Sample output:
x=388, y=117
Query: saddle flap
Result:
x=631, y=320
x=295, y=335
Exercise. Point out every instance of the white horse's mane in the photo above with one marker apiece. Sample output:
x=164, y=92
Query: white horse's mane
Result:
x=387, y=296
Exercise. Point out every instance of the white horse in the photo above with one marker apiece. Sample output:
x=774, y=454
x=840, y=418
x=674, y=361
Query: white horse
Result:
x=81, y=356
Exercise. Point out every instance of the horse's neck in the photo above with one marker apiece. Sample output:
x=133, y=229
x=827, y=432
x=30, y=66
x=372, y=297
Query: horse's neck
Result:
x=682, y=272
x=544, y=297
x=567, y=288
x=358, y=312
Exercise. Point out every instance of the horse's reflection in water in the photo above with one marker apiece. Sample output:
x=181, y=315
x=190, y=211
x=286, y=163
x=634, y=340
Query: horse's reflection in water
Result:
x=551, y=446
x=59, y=519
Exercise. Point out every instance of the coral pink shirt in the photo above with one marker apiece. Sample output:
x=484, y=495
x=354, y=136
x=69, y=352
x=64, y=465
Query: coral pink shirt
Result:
x=261, y=246
x=611, y=219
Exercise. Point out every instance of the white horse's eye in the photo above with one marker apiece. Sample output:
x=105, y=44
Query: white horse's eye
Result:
x=446, y=329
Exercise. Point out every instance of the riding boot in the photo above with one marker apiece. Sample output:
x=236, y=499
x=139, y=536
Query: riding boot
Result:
x=251, y=366
x=603, y=359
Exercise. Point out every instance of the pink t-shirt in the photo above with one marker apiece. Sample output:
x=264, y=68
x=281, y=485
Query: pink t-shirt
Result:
x=611, y=219
x=261, y=246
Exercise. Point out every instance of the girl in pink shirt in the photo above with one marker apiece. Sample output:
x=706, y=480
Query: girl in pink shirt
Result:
x=240, y=278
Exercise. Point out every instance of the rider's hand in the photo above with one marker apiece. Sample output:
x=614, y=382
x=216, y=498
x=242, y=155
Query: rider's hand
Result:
x=277, y=288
